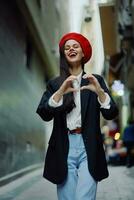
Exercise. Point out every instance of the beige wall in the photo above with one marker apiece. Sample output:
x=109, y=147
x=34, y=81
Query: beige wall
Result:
x=46, y=21
x=108, y=24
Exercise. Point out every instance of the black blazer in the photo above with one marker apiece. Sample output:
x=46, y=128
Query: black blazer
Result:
x=55, y=169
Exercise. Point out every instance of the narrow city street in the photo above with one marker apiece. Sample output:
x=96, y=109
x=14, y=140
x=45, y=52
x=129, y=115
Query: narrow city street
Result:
x=66, y=66
x=119, y=186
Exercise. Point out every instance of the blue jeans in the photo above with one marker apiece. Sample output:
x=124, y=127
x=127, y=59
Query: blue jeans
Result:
x=79, y=184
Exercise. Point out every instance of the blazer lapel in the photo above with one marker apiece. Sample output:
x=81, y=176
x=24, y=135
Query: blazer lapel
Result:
x=85, y=94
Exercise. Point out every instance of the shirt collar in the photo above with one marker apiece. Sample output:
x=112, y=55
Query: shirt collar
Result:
x=79, y=76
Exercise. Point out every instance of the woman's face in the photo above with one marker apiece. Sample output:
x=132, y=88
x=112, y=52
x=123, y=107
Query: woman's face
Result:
x=73, y=52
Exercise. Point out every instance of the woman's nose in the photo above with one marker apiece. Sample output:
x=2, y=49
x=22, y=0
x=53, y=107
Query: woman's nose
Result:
x=71, y=48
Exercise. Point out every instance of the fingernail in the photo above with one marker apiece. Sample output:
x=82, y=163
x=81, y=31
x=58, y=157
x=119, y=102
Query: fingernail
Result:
x=84, y=76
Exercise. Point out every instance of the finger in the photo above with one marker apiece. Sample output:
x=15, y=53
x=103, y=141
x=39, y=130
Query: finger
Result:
x=89, y=77
x=85, y=76
x=84, y=87
x=92, y=79
x=71, y=90
x=74, y=90
x=71, y=79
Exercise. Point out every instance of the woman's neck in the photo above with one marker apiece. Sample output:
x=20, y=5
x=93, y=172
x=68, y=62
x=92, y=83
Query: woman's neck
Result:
x=75, y=70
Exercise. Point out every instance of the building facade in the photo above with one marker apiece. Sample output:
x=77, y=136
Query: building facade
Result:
x=29, y=31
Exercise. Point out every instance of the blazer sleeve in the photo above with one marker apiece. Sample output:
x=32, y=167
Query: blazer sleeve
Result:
x=112, y=112
x=45, y=111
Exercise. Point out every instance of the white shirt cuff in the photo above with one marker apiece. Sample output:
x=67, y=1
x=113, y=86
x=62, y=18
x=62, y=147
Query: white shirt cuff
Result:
x=106, y=103
x=53, y=103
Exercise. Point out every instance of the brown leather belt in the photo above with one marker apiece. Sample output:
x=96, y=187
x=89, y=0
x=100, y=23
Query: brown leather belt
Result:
x=75, y=131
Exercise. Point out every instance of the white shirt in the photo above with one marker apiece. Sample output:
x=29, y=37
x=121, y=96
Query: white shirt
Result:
x=74, y=117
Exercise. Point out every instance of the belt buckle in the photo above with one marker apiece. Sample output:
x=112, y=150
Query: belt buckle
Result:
x=75, y=131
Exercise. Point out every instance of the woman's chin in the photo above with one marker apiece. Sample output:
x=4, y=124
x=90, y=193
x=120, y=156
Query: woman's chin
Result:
x=74, y=61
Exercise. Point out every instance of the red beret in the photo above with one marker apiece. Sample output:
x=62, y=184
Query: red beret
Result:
x=84, y=43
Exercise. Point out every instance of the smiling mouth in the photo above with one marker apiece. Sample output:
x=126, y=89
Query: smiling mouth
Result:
x=72, y=54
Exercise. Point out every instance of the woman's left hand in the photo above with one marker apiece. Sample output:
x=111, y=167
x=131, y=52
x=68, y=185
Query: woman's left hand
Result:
x=94, y=86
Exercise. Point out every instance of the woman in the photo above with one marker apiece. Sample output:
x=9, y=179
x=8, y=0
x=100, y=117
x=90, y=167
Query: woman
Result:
x=75, y=158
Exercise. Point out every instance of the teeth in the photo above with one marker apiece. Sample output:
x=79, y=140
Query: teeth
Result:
x=72, y=54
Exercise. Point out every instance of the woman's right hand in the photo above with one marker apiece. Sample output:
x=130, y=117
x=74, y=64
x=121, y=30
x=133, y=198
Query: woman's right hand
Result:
x=66, y=87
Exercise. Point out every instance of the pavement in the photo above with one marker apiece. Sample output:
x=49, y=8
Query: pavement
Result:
x=119, y=186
